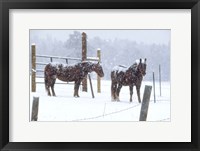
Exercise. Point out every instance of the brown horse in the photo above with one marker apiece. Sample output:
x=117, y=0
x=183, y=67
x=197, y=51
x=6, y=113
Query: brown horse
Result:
x=68, y=73
x=132, y=76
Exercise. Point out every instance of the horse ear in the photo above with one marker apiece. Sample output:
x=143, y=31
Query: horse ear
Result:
x=140, y=60
x=98, y=63
x=145, y=60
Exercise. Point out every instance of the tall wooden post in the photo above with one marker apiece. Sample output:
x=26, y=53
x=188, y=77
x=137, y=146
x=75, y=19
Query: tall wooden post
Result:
x=145, y=103
x=33, y=75
x=98, y=78
x=84, y=57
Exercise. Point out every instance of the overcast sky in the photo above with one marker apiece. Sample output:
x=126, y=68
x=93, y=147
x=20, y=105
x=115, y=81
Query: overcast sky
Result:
x=145, y=36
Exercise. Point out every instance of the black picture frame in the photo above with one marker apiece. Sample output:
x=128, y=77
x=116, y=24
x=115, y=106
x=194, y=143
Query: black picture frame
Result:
x=5, y=5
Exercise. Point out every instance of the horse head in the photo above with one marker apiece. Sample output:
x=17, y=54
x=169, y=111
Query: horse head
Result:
x=98, y=69
x=142, y=66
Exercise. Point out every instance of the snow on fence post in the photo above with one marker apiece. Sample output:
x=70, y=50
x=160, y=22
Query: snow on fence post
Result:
x=84, y=57
x=35, y=106
x=154, y=92
x=145, y=103
x=98, y=78
x=33, y=75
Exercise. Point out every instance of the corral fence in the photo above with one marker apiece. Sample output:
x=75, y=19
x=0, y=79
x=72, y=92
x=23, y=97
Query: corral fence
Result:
x=51, y=59
x=40, y=70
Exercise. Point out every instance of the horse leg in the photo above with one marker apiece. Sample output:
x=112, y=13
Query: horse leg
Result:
x=48, y=90
x=52, y=87
x=118, y=90
x=138, y=93
x=113, y=91
x=113, y=86
x=131, y=92
x=47, y=84
x=76, y=87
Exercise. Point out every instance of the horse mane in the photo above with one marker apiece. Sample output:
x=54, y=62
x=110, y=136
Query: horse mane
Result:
x=133, y=67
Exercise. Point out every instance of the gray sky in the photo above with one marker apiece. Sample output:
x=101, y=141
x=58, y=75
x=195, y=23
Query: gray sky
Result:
x=145, y=36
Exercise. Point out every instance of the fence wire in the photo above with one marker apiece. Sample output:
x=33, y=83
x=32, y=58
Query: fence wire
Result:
x=165, y=119
x=115, y=112
x=95, y=117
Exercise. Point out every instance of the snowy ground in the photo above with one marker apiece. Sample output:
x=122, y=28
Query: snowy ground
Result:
x=64, y=107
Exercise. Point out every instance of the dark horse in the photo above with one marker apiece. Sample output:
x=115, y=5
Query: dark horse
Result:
x=132, y=76
x=68, y=73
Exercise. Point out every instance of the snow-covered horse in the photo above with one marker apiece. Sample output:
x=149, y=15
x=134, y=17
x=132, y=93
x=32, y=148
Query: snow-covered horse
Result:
x=131, y=76
x=68, y=73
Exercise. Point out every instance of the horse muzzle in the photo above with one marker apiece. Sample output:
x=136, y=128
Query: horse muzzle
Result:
x=101, y=75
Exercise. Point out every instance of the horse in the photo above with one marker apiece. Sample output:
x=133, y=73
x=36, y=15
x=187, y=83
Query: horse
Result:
x=69, y=73
x=127, y=76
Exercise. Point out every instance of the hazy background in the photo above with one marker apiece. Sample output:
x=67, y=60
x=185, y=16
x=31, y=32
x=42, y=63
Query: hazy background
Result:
x=117, y=47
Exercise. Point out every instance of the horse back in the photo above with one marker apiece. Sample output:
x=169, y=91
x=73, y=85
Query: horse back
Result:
x=124, y=76
x=71, y=73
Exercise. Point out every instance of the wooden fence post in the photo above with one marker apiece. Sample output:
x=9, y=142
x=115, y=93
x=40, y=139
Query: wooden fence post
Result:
x=91, y=85
x=84, y=57
x=145, y=103
x=35, y=106
x=98, y=78
x=33, y=74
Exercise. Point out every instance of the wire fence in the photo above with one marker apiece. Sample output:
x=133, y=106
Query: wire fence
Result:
x=113, y=113
x=107, y=114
